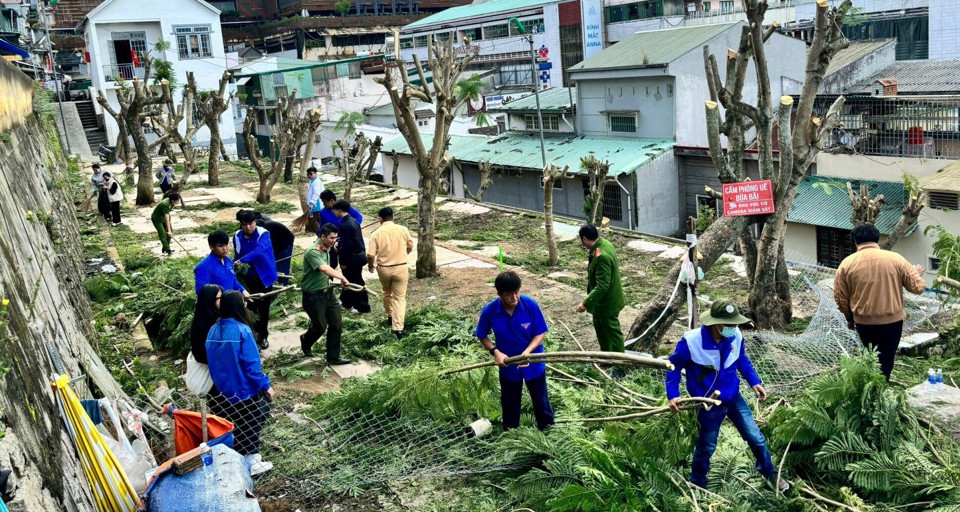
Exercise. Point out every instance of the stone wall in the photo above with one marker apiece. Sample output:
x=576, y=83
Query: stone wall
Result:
x=41, y=274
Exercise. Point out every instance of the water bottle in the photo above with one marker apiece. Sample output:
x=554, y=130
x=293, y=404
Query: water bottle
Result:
x=931, y=377
x=206, y=457
x=939, y=378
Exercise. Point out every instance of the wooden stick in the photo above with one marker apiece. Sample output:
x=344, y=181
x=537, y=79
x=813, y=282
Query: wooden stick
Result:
x=783, y=458
x=570, y=376
x=604, y=373
x=652, y=412
x=828, y=501
x=574, y=357
x=278, y=291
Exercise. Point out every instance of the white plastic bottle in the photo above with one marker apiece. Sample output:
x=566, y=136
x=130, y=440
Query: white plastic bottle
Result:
x=206, y=457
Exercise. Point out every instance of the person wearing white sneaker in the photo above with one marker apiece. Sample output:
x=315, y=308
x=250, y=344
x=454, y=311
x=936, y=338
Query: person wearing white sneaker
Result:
x=258, y=466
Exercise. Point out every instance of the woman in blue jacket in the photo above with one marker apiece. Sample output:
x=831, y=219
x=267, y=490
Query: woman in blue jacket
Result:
x=243, y=388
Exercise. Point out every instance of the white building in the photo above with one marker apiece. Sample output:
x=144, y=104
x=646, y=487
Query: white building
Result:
x=497, y=42
x=121, y=35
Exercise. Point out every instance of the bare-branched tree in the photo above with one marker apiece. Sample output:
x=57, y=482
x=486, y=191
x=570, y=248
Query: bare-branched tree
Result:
x=486, y=178
x=135, y=100
x=597, y=181
x=447, y=92
x=168, y=127
x=211, y=105
x=867, y=208
x=285, y=139
x=357, y=159
x=799, y=144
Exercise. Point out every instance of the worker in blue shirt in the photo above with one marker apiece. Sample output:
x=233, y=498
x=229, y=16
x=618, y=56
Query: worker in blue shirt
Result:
x=314, y=205
x=329, y=198
x=217, y=268
x=253, y=248
x=712, y=356
x=519, y=328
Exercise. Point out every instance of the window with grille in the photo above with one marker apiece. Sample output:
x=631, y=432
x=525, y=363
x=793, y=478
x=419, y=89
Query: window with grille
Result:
x=944, y=200
x=193, y=41
x=623, y=123
x=406, y=43
x=833, y=245
x=224, y=5
x=442, y=36
x=534, y=26
x=550, y=123
x=612, y=200
x=933, y=264
x=495, y=31
x=708, y=202
x=726, y=5
x=475, y=34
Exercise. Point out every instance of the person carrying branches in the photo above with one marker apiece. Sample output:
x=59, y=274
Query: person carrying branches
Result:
x=712, y=356
x=519, y=328
x=319, y=300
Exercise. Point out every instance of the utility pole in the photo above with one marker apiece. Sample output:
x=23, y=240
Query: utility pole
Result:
x=536, y=85
x=53, y=67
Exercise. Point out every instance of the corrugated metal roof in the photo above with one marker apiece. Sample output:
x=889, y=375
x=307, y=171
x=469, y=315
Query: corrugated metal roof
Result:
x=818, y=207
x=522, y=150
x=916, y=77
x=653, y=47
x=477, y=9
x=856, y=51
x=946, y=179
x=271, y=65
x=556, y=99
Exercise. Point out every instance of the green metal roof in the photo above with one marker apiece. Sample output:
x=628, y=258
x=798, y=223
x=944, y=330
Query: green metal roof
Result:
x=477, y=9
x=520, y=150
x=653, y=48
x=827, y=204
x=556, y=99
x=274, y=65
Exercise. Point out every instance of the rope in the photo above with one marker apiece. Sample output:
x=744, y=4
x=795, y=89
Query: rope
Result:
x=673, y=294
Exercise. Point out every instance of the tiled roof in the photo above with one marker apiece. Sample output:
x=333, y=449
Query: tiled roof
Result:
x=520, y=150
x=916, y=77
x=946, y=179
x=856, y=51
x=827, y=204
x=477, y=9
x=653, y=47
x=555, y=99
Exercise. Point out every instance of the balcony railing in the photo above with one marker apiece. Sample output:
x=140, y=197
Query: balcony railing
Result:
x=897, y=126
x=117, y=72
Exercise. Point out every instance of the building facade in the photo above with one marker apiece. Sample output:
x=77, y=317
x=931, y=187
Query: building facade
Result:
x=122, y=34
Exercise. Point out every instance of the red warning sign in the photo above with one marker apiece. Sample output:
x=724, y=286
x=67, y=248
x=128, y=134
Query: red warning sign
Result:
x=748, y=198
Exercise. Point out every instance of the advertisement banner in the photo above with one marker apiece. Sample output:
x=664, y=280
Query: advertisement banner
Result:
x=592, y=27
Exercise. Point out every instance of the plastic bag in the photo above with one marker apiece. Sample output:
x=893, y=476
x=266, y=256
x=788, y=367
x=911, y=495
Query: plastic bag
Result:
x=135, y=458
x=197, y=377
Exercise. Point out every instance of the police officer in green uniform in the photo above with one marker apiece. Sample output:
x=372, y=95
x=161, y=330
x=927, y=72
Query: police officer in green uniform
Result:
x=604, y=293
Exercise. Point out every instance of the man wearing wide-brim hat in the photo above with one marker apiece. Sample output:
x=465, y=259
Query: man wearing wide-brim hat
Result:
x=712, y=356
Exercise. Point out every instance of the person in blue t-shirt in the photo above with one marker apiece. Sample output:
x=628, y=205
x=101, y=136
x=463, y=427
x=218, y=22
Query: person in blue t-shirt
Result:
x=712, y=356
x=329, y=198
x=519, y=328
x=217, y=267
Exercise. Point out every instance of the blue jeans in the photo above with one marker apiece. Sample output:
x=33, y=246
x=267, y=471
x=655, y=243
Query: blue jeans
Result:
x=739, y=413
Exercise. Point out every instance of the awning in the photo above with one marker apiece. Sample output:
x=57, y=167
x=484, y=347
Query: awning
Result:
x=16, y=50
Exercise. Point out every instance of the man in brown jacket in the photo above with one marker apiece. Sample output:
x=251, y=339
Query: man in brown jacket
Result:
x=868, y=289
x=387, y=253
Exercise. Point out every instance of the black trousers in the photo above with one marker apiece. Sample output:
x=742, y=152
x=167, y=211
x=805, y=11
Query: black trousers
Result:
x=350, y=299
x=247, y=416
x=885, y=339
x=511, y=394
x=115, y=211
x=325, y=316
x=259, y=307
x=103, y=204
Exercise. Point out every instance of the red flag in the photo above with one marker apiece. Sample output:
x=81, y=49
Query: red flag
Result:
x=133, y=55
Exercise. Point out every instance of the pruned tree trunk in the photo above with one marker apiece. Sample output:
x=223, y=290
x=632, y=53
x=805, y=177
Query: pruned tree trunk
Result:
x=486, y=171
x=395, y=175
x=550, y=176
x=211, y=105
x=447, y=66
x=285, y=140
x=303, y=182
x=597, y=181
x=908, y=217
x=800, y=142
x=866, y=209
x=711, y=245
